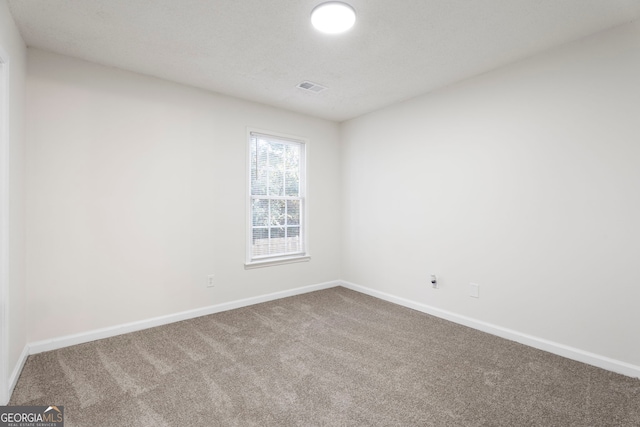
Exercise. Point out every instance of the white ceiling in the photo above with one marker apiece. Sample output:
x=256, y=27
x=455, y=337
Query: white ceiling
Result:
x=261, y=49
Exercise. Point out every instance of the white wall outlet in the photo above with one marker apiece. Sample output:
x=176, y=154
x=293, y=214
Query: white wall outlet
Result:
x=434, y=281
x=474, y=290
x=210, y=281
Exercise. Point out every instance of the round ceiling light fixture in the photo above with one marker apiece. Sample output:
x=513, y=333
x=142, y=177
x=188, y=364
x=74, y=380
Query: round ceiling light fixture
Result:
x=333, y=17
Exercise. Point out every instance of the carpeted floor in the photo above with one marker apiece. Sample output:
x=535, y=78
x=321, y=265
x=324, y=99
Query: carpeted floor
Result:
x=328, y=358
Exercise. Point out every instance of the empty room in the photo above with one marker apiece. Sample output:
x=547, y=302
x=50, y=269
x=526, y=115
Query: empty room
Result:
x=308, y=213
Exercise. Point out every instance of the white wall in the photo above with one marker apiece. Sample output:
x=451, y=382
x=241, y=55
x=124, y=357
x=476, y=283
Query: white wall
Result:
x=525, y=180
x=12, y=44
x=136, y=192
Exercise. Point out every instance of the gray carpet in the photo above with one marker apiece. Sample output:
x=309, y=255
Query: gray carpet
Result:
x=327, y=358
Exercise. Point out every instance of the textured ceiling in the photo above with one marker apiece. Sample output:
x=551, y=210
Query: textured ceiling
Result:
x=261, y=49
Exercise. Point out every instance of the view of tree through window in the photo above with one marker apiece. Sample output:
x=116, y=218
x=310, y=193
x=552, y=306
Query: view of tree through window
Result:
x=276, y=197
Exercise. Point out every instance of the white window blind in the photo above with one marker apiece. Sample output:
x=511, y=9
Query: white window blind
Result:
x=277, y=197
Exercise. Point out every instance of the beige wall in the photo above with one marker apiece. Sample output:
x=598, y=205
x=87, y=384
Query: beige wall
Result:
x=524, y=180
x=12, y=44
x=136, y=192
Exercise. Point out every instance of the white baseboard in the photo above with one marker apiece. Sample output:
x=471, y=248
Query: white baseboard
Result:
x=532, y=341
x=15, y=374
x=83, y=337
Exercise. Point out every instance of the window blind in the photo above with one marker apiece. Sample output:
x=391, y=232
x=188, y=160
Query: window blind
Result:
x=277, y=196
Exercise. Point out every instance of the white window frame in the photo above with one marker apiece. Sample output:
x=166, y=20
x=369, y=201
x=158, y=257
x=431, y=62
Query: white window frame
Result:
x=303, y=255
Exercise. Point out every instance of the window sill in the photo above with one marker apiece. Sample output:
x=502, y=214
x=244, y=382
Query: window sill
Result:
x=276, y=261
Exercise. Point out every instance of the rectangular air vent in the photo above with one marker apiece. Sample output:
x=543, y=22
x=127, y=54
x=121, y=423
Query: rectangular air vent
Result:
x=311, y=87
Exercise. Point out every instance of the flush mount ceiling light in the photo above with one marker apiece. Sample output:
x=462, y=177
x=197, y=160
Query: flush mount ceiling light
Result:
x=333, y=17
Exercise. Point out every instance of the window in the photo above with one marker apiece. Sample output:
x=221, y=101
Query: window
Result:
x=276, y=217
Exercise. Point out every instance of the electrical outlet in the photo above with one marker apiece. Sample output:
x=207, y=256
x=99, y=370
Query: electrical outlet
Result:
x=210, y=281
x=474, y=290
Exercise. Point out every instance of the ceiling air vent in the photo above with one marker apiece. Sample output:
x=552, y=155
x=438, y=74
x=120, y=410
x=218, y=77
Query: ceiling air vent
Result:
x=311, y=87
